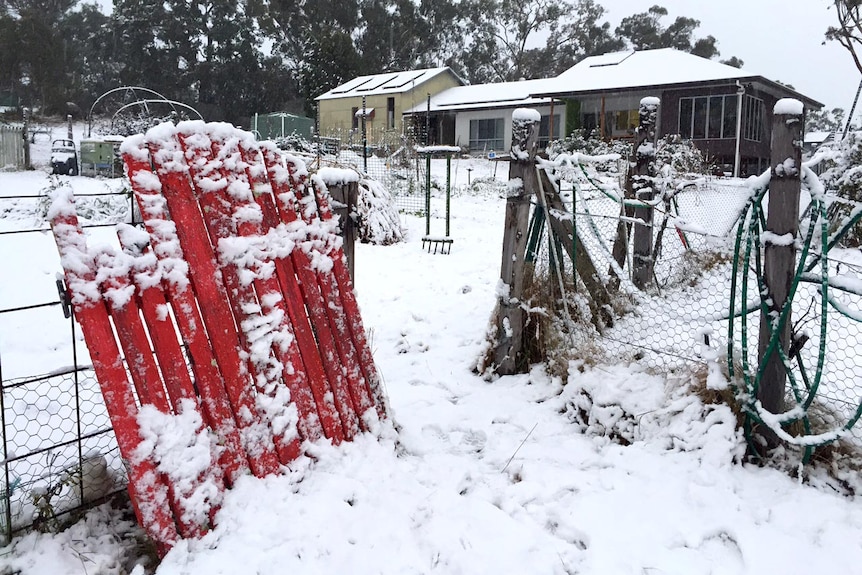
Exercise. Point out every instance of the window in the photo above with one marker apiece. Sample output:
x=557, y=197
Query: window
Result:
x=729, y=120
x=548, y=130
x=487, y=134
x=354, y=114
x=712, y=117
x=590, y=122
x=390, y=113
x=716, y=114
x=626, y=121
x=752, y=119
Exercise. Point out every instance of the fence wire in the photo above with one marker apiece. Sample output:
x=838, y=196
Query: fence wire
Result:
x=393, y=162
x=59, y=450
x=684, y=319
x=60, y=454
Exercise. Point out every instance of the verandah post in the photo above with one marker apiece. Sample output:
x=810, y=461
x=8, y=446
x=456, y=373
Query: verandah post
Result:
x=779, y=258
x=523, y=182
x=643, y=181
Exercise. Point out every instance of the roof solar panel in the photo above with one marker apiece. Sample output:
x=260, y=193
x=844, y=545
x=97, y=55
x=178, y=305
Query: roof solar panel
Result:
x=353, y=85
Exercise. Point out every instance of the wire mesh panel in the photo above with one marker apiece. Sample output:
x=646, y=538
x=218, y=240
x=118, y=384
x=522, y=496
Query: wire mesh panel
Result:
x=59, y=449
x=664, y=328
x=400, y=171
x=701, y=280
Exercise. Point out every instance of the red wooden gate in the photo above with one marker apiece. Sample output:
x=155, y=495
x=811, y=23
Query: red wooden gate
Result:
x=224, y=334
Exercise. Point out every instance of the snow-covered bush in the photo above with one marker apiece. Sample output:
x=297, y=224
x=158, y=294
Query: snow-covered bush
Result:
x=842, y=176
x=378, y=220
x=592, y=145
x=681, y=156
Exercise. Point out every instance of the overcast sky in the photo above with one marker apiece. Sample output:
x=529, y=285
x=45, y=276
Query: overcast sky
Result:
x=778, y=39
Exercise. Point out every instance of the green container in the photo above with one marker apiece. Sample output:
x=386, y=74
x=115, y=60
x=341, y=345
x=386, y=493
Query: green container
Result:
x=100, y=157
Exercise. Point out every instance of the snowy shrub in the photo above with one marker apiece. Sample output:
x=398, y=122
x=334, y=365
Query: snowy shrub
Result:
x=377, y=215
x=618, y=408
x=295, y=143
x=843, y=177
x=681, y=156
x=592, y=145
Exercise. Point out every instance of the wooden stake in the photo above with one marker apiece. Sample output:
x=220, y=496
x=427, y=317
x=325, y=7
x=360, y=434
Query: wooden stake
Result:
x=643, y=182
x=782, y=226
x=508, y=351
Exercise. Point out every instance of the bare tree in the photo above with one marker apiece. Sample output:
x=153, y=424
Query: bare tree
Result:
x=848, y=33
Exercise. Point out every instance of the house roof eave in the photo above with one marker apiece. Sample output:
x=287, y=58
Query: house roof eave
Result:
x=769, y=84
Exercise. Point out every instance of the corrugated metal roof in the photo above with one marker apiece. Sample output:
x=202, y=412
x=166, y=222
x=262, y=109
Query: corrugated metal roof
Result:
x=477, y=96
x=647, y=68
x=387, y=83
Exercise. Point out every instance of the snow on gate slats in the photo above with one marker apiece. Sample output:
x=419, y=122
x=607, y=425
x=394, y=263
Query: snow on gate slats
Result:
x=239, y=285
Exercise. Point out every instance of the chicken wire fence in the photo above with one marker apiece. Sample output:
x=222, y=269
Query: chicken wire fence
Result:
x=388, y=158
x=60, y=454
x=59, y=451
x=662, y=328
x=682, y=322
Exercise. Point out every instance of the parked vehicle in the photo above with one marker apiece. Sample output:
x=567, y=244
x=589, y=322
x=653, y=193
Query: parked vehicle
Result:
x=64, y=157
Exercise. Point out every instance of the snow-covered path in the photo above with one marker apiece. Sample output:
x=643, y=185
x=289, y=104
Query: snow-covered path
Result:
x=493, y=477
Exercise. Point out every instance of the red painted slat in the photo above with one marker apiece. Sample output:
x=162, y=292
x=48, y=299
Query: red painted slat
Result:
x=314, y=301
x=354, y=318
x=211, y=180
x=295, y=306
x=146, y=488
x=208, y=378
x=359, y=391
x=249, y=218
x=213, y=297
x=159, y=324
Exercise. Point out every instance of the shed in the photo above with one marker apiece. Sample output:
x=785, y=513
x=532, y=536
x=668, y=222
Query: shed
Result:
x=389, y=93
x=281, y=125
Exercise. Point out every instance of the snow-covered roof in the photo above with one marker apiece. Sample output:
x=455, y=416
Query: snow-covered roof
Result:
x=635, y=69
x=478, y=96
x=816, y=137
x=616, y=71
x=387, y=83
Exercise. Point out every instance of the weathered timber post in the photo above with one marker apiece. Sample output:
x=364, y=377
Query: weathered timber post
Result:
x=643, y=181
x=345, y=196
x=564, y=228
x=779, y=258
x=69, y=126
x=523, y=183
x=26, y=135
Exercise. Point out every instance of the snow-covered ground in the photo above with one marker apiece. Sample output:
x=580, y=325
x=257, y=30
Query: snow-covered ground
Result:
x=475, y=476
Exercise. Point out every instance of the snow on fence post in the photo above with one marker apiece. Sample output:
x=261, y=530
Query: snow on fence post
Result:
x=782, y=226
x=643, y=181
x=523, y=183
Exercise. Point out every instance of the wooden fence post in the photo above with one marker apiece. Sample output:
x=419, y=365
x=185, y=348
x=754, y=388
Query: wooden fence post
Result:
x=643, y=181
x=779, y=258
x=26, y=135
x=523, y=182
x=344, y=198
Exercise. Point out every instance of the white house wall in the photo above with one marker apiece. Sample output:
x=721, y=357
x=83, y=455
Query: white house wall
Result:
x=462, y=123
